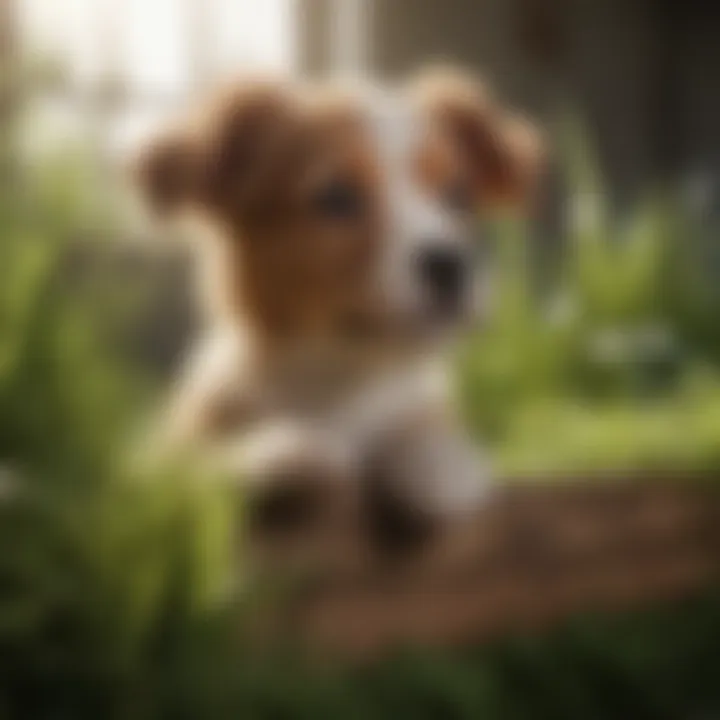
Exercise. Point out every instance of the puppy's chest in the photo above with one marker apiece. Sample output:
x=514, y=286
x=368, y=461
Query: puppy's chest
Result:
x=353, y=407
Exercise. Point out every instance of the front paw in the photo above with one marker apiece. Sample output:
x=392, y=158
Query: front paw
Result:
x=417, y=490
x=297, y=491
x=465, y=482
x=445, y=476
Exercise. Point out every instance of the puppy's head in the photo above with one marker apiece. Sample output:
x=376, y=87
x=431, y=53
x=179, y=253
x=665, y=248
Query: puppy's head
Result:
x=337, y=211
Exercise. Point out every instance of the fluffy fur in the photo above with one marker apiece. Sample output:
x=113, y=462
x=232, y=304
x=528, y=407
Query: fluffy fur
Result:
x=324, y=346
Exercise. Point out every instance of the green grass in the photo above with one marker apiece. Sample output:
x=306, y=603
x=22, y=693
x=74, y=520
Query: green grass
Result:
x=616, y=366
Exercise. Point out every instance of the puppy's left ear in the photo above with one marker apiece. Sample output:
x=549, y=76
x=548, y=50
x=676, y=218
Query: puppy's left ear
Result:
x=505, y=152
x=164, y=172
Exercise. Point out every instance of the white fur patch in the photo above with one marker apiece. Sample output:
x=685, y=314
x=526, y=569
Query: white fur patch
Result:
x=416, y=219
x=385, y=402
x=344, y=434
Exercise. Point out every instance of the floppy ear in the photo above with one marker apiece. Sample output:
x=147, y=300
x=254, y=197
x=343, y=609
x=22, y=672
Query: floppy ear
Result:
x=165, y=171
x=224, y=155
x=504, y=151
x=248, y=144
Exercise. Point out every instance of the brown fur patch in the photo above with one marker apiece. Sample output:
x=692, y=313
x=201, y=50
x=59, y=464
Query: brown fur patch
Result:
x=503, y=152
x=252, y=167
x=438, y=163
x=164, y=172
x=299, y=272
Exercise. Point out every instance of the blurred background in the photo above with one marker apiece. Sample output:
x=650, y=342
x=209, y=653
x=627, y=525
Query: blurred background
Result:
x=118, y=597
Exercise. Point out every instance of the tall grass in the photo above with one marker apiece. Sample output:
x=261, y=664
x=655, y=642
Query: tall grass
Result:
x=102, y=572
x=616, y=365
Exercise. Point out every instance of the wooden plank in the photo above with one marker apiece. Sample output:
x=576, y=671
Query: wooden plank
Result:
x=531, y=557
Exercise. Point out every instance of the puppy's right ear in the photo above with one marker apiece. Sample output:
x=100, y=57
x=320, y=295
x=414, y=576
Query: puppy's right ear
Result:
x=165, y=172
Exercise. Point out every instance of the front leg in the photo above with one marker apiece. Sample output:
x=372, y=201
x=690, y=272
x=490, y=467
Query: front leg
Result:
x=301, y=491
x=423, y=476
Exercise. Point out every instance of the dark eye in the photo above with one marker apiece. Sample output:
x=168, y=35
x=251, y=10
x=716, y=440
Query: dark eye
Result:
x=341, y=200
x=459, y=196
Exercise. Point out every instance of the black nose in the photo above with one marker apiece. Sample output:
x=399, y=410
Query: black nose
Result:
x=442, y=271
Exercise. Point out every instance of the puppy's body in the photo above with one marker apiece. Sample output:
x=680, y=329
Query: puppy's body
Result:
x=339, y=265
x=331, y=408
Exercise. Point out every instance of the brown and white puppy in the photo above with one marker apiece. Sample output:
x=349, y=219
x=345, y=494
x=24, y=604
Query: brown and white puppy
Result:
x=337, y=261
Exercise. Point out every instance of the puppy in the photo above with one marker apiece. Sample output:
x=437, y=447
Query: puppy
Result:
x=336, y=256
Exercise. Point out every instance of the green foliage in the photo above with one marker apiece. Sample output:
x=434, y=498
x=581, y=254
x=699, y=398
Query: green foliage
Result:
x=616, y=366
x=102, y=569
